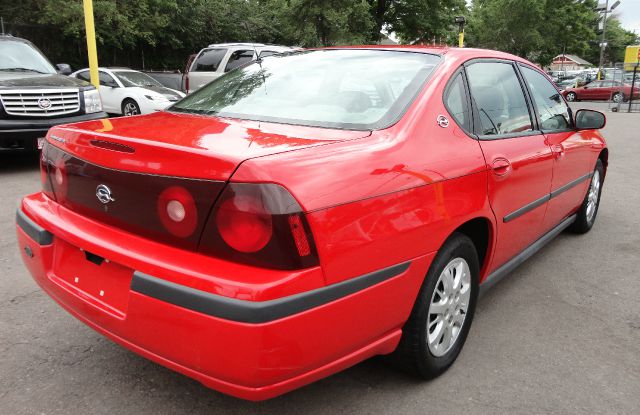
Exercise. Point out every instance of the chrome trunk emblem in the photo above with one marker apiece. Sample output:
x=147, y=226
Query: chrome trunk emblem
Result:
x=103, y=193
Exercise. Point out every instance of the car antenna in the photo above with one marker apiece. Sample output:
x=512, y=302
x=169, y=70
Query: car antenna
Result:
x=255, y=50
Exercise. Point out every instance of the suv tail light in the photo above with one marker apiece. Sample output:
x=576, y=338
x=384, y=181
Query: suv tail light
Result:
x=259, y=224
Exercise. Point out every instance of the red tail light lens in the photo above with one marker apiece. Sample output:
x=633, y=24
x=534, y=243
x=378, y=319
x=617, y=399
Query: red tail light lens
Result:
x=259, y=224
x=59, y=179
x=244, y=224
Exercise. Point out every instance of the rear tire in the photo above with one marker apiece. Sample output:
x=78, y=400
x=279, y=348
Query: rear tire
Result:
x=617, y=97
x=438, y=309
x=571, y=97
x=586, y=216
x=130, y=107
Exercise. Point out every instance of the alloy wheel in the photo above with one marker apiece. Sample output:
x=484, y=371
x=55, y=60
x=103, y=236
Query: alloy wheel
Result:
x=130, y=109
x=448, y=307
x=593, y=196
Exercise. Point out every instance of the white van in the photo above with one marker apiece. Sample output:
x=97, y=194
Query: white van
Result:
x=214, y=60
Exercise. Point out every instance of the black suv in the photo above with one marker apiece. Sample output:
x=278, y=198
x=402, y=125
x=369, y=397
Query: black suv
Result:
x=34, y=97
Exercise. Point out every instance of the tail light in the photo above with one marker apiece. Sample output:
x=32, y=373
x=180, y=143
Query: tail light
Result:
x=171, y=210
x=254, y=224
x=259, y=224
x=47, y=189
x=177, y=211
x=186, y=83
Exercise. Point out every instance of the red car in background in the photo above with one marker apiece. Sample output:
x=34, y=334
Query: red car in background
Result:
x=305, y=212
x=602, y=90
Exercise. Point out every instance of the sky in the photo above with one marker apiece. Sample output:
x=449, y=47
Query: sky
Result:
x=629, y=14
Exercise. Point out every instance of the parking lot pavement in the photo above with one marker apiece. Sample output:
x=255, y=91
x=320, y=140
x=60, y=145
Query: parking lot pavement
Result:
x=560, y=335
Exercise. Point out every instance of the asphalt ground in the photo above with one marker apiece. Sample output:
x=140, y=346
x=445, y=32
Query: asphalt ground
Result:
x=560, y=335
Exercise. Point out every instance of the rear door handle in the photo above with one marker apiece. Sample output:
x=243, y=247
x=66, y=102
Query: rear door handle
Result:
x=501, y=166
x=558, y=150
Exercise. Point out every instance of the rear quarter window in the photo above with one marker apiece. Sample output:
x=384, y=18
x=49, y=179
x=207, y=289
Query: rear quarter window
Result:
x=209, y=60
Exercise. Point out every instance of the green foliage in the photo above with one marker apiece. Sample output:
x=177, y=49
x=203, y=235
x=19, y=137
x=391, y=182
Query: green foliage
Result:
x=617, y=39
x=544, y=29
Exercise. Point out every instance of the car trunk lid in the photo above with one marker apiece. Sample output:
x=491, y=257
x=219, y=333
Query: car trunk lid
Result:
x=130, y=172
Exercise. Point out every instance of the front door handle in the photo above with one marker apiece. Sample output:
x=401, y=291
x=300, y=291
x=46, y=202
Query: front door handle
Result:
x=501, y=166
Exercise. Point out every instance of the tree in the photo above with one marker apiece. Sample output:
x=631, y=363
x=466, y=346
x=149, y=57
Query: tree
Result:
x=617, y=39
x=416, y=20
x=325, y=22
x=539, y=31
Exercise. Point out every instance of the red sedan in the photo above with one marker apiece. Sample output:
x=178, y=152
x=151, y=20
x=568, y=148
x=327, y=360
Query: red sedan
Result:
x=602, y=90
x=308, y=211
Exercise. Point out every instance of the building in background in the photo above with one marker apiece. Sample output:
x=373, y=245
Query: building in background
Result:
x=569, y=63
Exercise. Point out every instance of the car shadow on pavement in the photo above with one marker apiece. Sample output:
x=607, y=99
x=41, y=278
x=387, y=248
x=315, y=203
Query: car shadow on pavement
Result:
x=11, y=162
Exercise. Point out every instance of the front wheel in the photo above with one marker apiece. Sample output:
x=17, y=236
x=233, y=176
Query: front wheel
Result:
x=438, y=326
x=586, y=216
x=130, y=107
x=571, y=96
x=617, y=97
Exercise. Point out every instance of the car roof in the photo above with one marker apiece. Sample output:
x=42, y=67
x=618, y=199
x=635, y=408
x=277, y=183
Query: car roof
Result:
x=462, y=54
x=110, y=69
x=8, y=37
x=250, y=45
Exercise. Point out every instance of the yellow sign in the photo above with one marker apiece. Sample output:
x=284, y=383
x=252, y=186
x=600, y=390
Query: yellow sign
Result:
x=631, y=57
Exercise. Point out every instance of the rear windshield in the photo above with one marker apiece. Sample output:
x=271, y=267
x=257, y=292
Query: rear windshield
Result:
x=350, y=89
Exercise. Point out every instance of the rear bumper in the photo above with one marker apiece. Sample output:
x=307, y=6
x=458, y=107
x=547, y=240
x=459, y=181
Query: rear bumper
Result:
x=22, y=134
x=249, y=349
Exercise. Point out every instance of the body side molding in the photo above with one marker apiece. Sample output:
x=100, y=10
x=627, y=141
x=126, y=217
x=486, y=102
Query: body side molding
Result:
x=514, y=262
x=530, y=206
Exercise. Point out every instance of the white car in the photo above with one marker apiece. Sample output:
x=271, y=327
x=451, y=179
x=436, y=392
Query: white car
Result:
x=128, y=92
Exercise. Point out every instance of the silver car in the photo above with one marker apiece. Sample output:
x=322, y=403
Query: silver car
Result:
x=214, y=60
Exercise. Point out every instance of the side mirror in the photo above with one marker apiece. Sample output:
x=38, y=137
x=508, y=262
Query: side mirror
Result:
x=589, y=120
x=63, y=69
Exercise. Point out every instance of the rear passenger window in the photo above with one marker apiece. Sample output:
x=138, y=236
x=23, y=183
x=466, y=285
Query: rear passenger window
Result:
x=209, y=60
x=266, y=53
x=552, y=111
x=497, y=94
x=239, y=58
x=84, y=76
x=456, y=102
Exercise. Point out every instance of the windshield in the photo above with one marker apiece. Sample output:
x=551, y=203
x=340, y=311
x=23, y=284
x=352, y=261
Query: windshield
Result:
x=133, y=78
x=21, y=56
x=339, y=88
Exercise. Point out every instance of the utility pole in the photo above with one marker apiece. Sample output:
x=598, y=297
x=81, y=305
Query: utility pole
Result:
x=460, y=20
x=2, y=24
x=603, y=43
x=91, y=42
